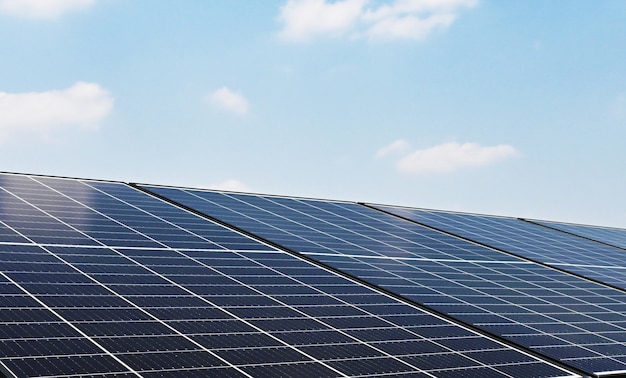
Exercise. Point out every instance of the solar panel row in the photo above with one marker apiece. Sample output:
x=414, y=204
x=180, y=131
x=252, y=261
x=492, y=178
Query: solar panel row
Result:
x=101, y=279
x=561, y=315
x=607, y=235
x=576, y=254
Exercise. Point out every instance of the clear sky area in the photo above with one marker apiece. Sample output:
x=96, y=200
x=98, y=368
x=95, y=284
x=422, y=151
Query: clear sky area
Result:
x=499, y=107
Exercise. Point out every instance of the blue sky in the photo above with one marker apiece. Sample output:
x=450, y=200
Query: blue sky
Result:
x=509, y=108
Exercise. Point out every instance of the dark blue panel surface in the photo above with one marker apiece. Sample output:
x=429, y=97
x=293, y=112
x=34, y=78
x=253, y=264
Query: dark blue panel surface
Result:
x=148, y=288
x=261, y=330
x=29, y=221
x=544, y=244
x=608, y=235
x=524, y=302
x=35, y=341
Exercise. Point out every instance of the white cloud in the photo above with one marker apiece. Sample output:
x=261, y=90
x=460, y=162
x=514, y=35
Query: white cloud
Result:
x=304, y=19
x=394, y=19
x=409, y=26
x=42, y=9
x=83, y=105
x=449, y=157
x=396, y=147
x=230, y=185
x=228, y=100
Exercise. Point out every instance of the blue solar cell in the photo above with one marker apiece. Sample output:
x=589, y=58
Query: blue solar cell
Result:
x=292, y=370
x=262, y=356
x=375, y=366
x=33, y=341
x=156, y=290
x=483, y=286
x=317, y=338
x=544, y=244
x=178, y=229
x=9, y=236
x=67, y=366
x=236, y=340
x=608, y=235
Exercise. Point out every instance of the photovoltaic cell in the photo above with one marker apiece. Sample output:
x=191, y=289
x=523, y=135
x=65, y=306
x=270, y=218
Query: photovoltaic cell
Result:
x=608, y=235
x=104, y=280
x=34, y=340
x=544, y=244
x=560, y=315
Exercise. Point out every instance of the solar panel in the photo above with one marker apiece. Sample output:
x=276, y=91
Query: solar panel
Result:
x=100, y=279
x=608, y=235
x=559, y=315
x=585, y=257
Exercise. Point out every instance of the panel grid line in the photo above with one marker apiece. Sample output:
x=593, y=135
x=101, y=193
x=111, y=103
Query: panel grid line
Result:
x=560, y=266
x=204, y=299
x=225, y=310
x=531, y=240
x=158, y=217
x=172, y=292
x=119, y=296
x=65, y=321
x=563, y=300
x=579, y=231
x=373, y=315
x=405, y=299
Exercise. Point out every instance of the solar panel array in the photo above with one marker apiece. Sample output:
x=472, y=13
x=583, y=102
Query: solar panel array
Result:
x=608, y=235
x=561, y=315
x=101, y=279
x=563, y=250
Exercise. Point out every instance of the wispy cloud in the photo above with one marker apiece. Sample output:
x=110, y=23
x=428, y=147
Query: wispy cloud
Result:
x=395, y=19
x=396, y=147
x=42, y=9
x=444, y=158
x=83, y=106
x=450, y=157
x=228, y=100
x=305, y=19
x=230, y=185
